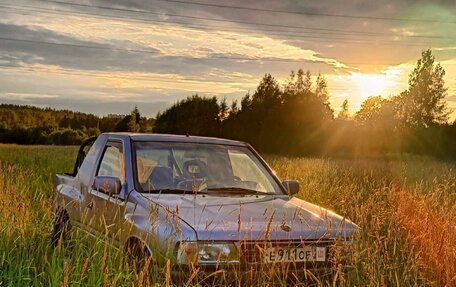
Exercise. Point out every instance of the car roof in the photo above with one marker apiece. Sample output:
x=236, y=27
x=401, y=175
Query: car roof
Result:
x=177, y=138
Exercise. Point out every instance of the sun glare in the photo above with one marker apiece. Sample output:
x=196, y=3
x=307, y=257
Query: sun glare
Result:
x=373, y=85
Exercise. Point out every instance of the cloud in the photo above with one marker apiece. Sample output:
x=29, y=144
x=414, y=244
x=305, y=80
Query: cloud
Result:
x=208, y=57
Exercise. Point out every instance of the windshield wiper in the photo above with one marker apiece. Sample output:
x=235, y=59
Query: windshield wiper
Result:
x=237, y=190
x=174, y=191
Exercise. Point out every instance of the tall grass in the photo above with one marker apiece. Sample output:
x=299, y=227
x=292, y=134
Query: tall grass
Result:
x=405, y=207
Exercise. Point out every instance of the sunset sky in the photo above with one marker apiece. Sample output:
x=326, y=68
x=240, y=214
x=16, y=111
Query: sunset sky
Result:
x=105, y=56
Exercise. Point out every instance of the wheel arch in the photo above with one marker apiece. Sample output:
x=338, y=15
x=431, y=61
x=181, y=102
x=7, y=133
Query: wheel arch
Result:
x=133, y=241
x=61, y=214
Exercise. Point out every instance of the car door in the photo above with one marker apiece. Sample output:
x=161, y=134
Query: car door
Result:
x=106, y=212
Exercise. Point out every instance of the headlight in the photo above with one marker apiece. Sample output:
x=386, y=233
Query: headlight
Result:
x=207, y=253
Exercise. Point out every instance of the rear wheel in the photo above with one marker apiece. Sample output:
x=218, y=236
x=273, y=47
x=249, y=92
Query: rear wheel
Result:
x=61, y=228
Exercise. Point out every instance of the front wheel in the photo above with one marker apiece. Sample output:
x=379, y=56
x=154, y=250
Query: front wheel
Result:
x=138, y=257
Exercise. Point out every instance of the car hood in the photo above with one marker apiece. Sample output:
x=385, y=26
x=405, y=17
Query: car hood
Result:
x=263, y=217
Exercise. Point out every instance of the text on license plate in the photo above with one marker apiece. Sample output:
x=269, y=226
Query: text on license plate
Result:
x=295, y=254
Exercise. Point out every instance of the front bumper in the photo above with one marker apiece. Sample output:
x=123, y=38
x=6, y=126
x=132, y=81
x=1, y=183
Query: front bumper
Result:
x=250, y=269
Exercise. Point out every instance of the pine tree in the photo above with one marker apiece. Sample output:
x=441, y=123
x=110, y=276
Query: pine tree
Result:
x=135, y=118
x=321, y=89
x=344, y=114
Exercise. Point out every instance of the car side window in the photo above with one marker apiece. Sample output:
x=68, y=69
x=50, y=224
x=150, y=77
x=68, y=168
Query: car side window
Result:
x=88, y=166
x=113, y=161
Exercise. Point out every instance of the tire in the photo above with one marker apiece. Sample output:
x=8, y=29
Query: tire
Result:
x=137, y=255
x=61, y=229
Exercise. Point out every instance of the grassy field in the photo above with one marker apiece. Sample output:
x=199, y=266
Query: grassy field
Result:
x=404, y=205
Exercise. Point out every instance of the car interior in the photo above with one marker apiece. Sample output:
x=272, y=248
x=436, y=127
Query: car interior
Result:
x=153, y=176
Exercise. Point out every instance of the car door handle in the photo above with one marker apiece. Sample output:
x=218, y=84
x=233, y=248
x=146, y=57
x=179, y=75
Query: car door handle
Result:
x=90, y=205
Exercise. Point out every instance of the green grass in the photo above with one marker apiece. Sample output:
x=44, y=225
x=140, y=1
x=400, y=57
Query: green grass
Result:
x=405, y=207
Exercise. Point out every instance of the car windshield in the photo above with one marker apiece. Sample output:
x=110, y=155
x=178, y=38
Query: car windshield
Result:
x=170, y=167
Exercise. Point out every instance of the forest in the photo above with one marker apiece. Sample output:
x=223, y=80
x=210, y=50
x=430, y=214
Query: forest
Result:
x=33, y=125
x=294, y=118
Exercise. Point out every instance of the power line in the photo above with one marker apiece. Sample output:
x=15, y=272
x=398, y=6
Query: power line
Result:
x=308, y=13
x=318, y=31
x=171, y=15
x=75, y=45
x=175, y=15
x=144, y=51
x=142, y=20
x=292, y=36
x=212, y=56
x=329, y=62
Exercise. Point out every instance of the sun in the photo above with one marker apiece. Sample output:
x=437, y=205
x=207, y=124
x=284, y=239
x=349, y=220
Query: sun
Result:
x=372, y=85
x=356, y=87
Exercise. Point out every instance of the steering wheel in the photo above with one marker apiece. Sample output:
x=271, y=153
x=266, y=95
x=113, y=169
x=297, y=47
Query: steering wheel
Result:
x=188, y=184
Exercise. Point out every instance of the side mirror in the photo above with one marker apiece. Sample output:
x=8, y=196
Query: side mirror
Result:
x=292, y=186
x=107, y=184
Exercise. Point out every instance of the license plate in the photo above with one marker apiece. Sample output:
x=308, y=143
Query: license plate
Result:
x=295, y=254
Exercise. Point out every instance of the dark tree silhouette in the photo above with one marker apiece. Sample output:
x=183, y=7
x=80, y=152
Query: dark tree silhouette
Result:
x=135, y=120
x=32, y=125
x=195, y=115
x=344, y=114
x=422, y=104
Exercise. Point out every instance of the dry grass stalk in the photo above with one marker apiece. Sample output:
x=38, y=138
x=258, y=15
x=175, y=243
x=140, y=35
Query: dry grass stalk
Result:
x=168, y=273
x=84, y=267
x=65, y=275
x=432, y=233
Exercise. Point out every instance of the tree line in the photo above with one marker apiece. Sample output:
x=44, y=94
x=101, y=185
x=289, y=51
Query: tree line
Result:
x=296, y=118
x=293, y=118
x=33, y=125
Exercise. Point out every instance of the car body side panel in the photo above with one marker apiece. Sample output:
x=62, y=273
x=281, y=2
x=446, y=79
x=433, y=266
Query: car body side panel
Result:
x=68, y=196
x=118, y=219
x=71, y=191
x=156, y=225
